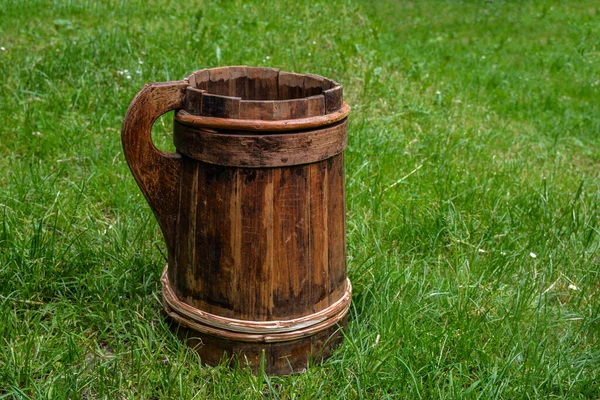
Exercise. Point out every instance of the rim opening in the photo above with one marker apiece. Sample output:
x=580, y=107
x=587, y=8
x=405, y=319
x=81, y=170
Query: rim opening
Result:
x=259, y=93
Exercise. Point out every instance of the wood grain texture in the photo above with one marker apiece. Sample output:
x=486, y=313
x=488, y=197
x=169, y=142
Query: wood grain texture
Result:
x=257, y=110
x=263, y=126
x=256, y=225
x=262, y=93
x=220, y=106
x=199, y=79
x=157, y=173
x=183, y=263
x=315, y=105
x=238, y=82
x=218, y=81
x=269, y=330
x=291, y=287
x=218, y=264
x=333, y=99
x=318, y=202
x=336, y=225
x=252, y=207
x=291, y=86
x=193, y=99
x=261, y=244
x=315, y=85
x=262, y=83
x=280, y=358
x=257, y=151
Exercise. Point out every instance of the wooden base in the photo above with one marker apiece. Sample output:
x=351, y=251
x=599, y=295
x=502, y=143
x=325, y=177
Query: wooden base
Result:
x=282, y=358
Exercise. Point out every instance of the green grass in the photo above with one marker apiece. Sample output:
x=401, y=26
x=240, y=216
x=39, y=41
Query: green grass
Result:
x=473, y=195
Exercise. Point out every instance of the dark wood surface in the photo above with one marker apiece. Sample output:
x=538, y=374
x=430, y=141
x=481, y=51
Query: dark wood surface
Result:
x=261, y=93
x=157, y=173
x=250, y=232
x=255, y=151
x=283, y=358
x=254, y=223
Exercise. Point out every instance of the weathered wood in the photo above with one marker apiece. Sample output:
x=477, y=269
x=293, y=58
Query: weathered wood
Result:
x=156, y=172
x=256, y=151
x=318, y=202
x=193, y=100
x=257, y=110
x=266, y=327
x=280, y=358
x=218, y=82
x=252, y=210
x=315, y=85
x=220, y=106
x=291, y=86
x=183, y=271
x=199, y=79
x=238, y=82
x=261, y=99
x=256, y=224
x=291, y=293
x=256, y=125
x=315, y=105
x=290, y=109
x=333, y=99
x=336, y=225
x=287, y=91
x=217, y=256
x=262, y=83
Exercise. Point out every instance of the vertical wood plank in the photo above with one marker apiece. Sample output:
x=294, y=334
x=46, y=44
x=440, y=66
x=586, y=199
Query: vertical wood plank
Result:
x=193, y=100
x=291, y=86
x=315, y=105
x=201, y=79
x=238, y=82
x=192, y=80
x=336, y=225
x=291, y=269
x=235, y=232
x=218, y=82
x=180, y=274
x=318, y=195
x=262, y=83
x=253, y=298
x=290, y=109
x=215, y=267
x=252, y=109
x=333, y=98
x=315, y=85
x=220, y=106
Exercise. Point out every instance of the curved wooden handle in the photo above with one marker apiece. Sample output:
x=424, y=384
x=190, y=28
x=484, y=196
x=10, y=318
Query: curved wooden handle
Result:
x=157, y=173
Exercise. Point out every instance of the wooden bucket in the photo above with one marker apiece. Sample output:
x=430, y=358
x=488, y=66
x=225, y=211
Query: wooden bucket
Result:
x=252, y=210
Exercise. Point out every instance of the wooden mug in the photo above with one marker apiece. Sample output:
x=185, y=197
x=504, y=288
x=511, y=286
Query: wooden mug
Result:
x=252, y=209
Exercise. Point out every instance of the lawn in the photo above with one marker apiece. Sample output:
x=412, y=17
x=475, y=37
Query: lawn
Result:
x=473, y=195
